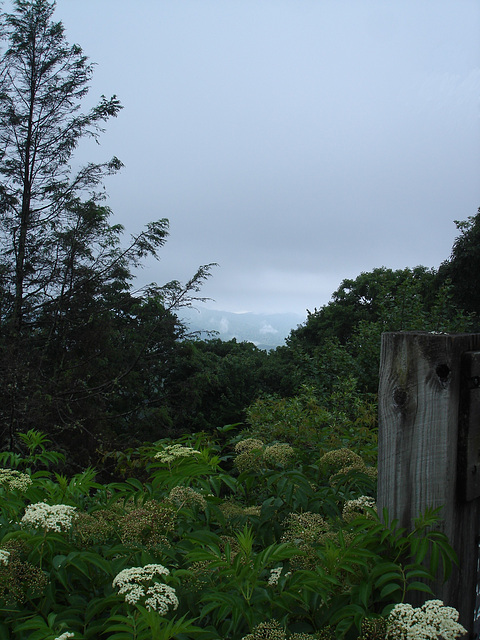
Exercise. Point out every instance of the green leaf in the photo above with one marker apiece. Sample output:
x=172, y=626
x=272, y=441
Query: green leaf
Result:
x=346, y=617
x=75, y=559
x=125, y=635
x=135, y=483
x=58, y=561
x=422, y=550
x=389, y=589
x=417, y=572
x=98, y=561
x=385, y=567
x=364, y=592
x=96, y=605
x=208, y=538
x=419, y=586
x=434, y=559
x=229, y=481
x=388, y=577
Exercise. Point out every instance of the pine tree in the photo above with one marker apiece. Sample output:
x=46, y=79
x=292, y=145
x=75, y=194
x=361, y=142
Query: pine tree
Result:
x=42, y=83
x=81, y=355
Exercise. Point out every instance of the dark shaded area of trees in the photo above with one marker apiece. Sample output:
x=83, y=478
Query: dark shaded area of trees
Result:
x=83, y=357
x=462, y=269
x=98, y=366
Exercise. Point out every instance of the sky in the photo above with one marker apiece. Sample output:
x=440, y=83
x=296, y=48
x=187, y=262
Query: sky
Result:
x=293, y=142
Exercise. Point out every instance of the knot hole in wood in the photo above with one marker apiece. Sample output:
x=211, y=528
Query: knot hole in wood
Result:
x=443, y=372
x=400, y=396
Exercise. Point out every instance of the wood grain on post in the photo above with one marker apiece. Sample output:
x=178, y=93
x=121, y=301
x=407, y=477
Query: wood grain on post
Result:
x=420, y=464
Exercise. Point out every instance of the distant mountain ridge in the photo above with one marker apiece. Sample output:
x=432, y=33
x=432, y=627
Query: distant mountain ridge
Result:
x=265, y=330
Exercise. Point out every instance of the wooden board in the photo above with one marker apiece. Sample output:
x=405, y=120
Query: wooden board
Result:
x=419, y=416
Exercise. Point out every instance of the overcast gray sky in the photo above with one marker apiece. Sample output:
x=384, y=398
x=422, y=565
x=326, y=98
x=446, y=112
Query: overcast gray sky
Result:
x=294, y=142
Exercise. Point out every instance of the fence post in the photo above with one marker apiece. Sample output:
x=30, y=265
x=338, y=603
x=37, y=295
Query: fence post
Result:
x=426, y=451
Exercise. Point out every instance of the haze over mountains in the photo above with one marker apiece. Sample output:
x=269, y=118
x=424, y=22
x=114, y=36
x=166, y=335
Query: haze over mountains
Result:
x=266, y=331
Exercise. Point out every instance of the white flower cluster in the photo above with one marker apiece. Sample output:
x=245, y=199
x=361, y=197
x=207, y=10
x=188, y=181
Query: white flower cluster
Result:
x=13, y=479
x=271, y=630
x=275, y=575
x=354, y=508
x=65, y=636
x=174, y=451
x=133, y=584
x=56, y=517
x=428, y=622
x=4, y=556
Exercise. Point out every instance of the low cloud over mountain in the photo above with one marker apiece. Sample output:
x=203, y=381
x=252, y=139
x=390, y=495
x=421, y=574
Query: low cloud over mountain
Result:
x=266, y=331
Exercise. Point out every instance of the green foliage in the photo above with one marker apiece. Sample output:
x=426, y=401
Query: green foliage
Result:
x=341, y=341
x=462, y=267
x=241, y=549
x=36, y=455
x=215, y=381
x=344, y=418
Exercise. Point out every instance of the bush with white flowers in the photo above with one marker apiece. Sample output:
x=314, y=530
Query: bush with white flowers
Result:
x=56, y=517
x=431, y=621
x=138, y=584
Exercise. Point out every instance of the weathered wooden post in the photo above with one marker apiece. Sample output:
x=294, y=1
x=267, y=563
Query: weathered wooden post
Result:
x=429, y=447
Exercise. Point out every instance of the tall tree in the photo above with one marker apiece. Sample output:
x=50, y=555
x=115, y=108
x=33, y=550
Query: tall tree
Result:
x=81, y=354
x=365, y=299
x=42, y=82
x=463, y=266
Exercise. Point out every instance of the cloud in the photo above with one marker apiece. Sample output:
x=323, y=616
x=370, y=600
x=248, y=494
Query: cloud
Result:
x=223, y=325
x=267, y=329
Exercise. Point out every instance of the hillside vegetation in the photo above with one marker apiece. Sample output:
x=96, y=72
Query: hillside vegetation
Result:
x=212, y=537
